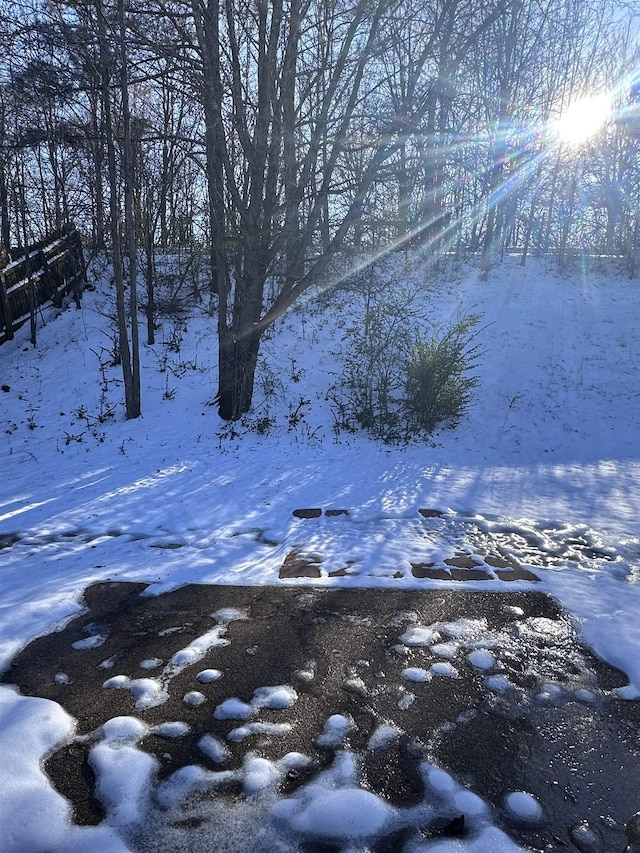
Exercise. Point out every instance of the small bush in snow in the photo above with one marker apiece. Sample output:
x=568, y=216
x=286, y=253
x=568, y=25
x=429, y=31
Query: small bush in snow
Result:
x=397, y=383
x=439, y=385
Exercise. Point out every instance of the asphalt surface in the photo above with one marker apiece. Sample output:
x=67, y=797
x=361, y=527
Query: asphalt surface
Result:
x=557, y=731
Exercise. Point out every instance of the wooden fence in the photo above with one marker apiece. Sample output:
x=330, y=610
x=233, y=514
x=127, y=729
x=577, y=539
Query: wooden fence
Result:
x=46, y=272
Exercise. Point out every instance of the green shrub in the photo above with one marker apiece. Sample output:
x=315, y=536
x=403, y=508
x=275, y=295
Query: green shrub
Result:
x=396, y=383
x=439, y=384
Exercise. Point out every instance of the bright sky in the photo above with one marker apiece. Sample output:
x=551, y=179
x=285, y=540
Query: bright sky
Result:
x=582, y=119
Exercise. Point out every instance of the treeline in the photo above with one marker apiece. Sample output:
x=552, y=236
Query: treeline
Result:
x=272, y=133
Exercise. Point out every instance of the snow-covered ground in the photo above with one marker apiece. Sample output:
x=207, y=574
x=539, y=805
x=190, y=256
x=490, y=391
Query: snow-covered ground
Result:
x=547, y=459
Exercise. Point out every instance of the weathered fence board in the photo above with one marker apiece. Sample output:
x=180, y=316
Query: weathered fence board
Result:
x=45, y=273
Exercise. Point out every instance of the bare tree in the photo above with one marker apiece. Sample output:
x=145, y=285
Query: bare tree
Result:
x=269, y=163
x=292, y=104
x=128, y=353
x=132, y=388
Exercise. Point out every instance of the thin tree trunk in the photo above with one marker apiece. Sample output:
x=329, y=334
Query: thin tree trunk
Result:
x=123, y=339
x=133, y=392
x=33, y=303
x=5, y=222
x=98, y=161
x=150, y=277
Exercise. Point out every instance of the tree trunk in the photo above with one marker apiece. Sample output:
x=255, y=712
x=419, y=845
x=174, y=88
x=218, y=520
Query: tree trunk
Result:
x=33, y=306
x=206, y=19
x=123, y=339
x=150, y=279
x=5, y=223
x=97, y=149
x=533, y=206
x=132, y=393
x=238, y=359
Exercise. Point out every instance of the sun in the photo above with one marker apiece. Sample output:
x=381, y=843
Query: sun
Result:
x=582, y=119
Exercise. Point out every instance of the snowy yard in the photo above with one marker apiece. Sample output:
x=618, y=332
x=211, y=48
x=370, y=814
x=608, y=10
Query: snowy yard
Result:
x=544, y=471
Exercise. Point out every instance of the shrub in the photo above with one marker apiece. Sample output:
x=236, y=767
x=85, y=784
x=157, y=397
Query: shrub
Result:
x=397, y=384
x=439, y=385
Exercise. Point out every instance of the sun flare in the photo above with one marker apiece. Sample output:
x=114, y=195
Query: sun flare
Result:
x=582, y=119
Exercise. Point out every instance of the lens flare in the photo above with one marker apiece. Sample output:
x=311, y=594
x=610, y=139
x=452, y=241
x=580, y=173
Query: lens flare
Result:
x=582, y=119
